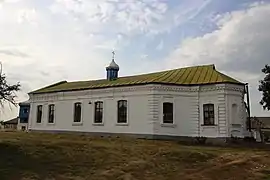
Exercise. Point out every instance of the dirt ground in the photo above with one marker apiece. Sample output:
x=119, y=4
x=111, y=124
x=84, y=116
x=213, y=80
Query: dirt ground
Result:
x=65, y=156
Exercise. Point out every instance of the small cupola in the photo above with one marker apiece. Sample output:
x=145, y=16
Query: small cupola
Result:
x=112, y=69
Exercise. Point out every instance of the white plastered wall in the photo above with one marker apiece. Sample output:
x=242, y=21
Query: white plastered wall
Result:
x=188, y=110
x=137, y=113
x=145, y=110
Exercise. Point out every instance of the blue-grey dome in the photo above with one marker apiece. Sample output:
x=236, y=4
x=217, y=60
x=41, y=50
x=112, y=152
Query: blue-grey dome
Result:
x=113, y=65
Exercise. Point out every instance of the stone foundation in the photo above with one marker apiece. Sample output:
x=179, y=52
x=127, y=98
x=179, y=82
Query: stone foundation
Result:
x=180, y=139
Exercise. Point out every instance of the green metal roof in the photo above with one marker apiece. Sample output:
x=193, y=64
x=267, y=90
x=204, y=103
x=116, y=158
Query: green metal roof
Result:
x=196, y=75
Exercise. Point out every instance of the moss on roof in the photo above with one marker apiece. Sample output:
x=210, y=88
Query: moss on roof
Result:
x=196, y=75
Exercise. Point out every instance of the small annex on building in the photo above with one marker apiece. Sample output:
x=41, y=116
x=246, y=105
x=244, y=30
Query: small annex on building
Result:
x=23, y=116
x=9, y=125
x=184, y=102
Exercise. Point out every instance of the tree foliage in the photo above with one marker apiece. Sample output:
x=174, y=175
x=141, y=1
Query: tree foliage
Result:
x=7, y=91
x=264, y=87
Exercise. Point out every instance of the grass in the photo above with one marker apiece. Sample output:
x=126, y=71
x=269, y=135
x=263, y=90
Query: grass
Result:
x=66, y=156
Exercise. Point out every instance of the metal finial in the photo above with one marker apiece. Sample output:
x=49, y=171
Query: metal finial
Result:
x=113, y=55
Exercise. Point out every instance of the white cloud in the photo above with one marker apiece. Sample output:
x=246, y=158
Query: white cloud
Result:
x=27, y=15
x=127, y=17
x=160, y=45
x=38, y=49
x=13, y=52
x=11, y=1
x=132, y=17
x=73, y=39
x=240, y=47
x=144, y=56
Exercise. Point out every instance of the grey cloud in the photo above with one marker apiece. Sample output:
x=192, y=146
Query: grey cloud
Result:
x=35, y=77
x=14, y=53
x=44, y=73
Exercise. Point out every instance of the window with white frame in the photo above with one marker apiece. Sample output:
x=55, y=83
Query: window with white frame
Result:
x=168, y=113
x=51, y=113
x=77, y=112
x=39, y=113
x=208, y=114
x=98, y=117
x=122, y=111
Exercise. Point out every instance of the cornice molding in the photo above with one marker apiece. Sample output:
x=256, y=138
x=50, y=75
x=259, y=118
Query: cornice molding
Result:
x=198, y=88
x=149, y=88
x=222, y=88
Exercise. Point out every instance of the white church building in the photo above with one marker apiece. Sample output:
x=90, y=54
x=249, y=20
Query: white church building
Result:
x=185, y=102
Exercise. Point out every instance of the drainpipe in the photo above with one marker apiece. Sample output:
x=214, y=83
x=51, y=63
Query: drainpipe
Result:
x=199, y=112
x=248, y=107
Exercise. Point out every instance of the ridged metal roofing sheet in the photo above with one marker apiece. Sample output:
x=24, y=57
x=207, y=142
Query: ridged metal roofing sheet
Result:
x=196, y=75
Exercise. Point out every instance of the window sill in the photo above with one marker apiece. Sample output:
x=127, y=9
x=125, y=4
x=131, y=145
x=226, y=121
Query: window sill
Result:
x=51, y=124
x=77, y=123
x=98, y=124
x=168, y=125
x=209, y=126
x=213, y=125
x=121, y=124
x=236, y=124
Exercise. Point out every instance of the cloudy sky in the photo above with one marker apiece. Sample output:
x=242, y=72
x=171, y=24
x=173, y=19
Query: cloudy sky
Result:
x=45, y=41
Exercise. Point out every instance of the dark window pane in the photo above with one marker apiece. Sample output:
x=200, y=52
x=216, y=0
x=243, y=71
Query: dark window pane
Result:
x=39, y=113
x=98, y=112
x=122, y=111
x=77, y=112
x=209, y=114
x=51, y=113
x=168, y=113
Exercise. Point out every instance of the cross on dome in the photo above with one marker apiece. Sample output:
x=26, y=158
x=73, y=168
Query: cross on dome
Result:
x=113, y=55
x=113, y=65
x=112, y=69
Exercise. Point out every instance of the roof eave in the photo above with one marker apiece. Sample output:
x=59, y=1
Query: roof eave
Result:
x=139, y=84
x=52, y=85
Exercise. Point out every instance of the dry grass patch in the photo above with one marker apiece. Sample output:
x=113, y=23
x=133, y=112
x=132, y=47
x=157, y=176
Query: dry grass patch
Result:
x=66, y=156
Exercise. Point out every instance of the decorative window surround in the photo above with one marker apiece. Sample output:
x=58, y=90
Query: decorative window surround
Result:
x=98, y=112
x=209, y=114
x=39, y=114
x=51, y=114
x=77, y=105
x=168, y=113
